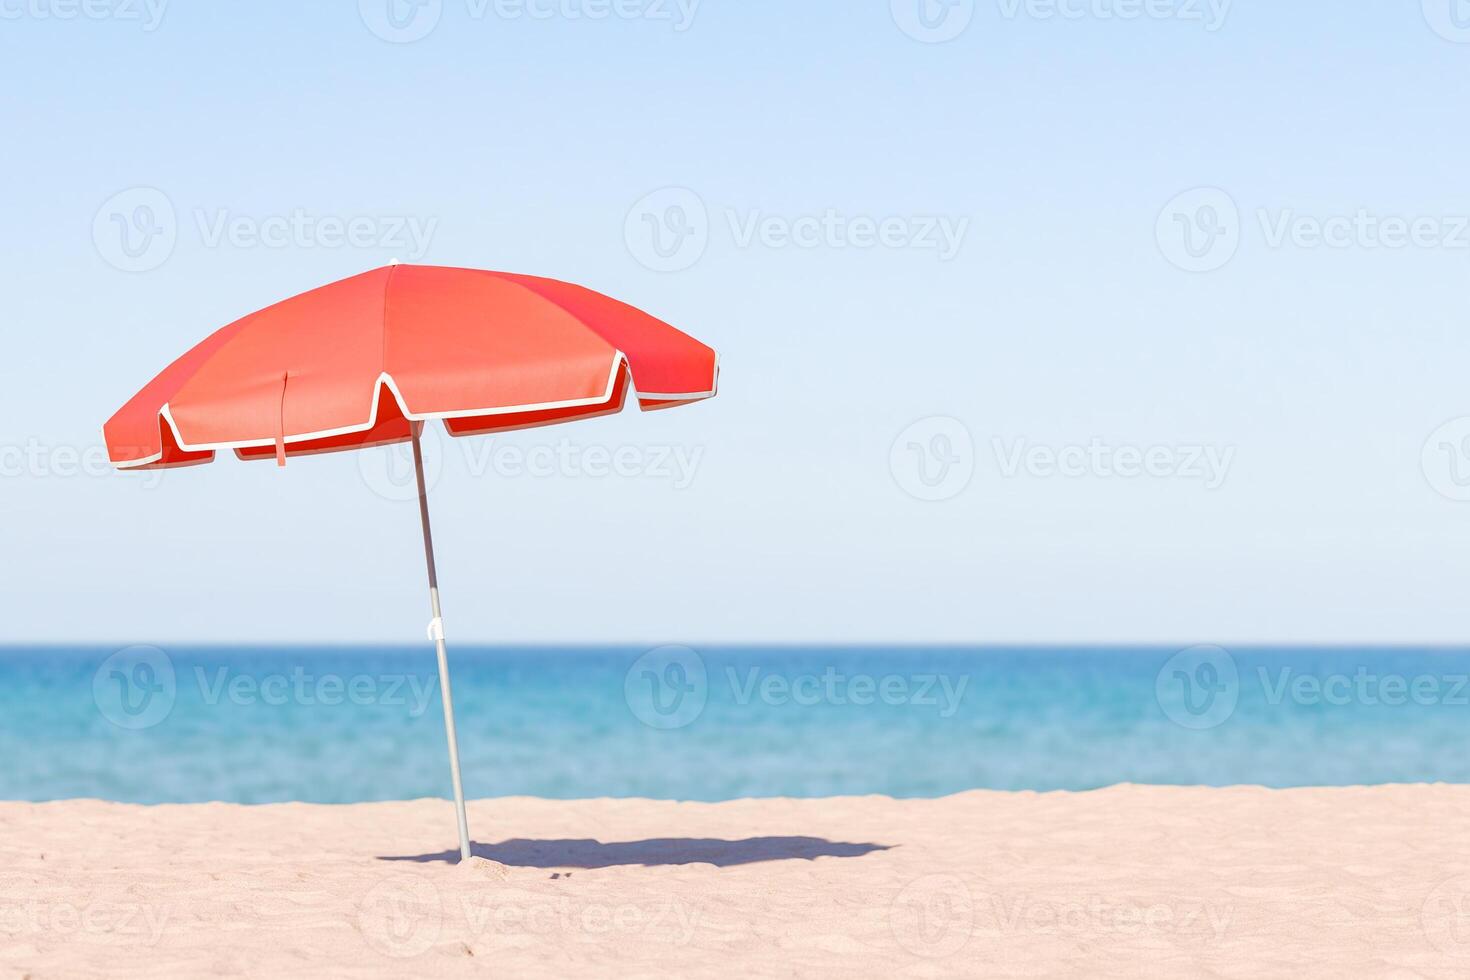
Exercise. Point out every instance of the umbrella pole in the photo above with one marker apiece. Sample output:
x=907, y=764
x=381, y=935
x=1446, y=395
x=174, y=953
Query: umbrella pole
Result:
x=436, y=632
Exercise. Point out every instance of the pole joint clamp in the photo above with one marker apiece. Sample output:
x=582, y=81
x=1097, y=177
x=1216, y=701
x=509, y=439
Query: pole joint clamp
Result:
x=436, y=628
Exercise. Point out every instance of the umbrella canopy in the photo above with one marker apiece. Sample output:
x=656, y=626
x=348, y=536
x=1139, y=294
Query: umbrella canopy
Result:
x=368, y=360
x=352, y=364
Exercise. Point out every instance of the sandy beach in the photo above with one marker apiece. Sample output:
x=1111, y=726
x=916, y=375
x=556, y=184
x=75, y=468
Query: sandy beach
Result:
x=1124, y=882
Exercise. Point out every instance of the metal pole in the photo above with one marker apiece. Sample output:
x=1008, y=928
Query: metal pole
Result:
x=436, y=632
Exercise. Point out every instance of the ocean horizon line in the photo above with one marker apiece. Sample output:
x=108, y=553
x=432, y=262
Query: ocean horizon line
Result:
x=877, y=646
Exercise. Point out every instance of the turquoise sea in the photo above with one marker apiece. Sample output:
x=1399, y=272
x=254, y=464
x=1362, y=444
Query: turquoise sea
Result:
x=185, y=724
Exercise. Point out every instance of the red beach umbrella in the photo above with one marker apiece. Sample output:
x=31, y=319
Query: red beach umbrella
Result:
x=368, y=360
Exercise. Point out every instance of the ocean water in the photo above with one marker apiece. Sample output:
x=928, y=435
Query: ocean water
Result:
x=203, y=723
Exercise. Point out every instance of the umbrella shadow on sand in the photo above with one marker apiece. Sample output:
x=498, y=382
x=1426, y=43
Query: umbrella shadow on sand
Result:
x=521, y=853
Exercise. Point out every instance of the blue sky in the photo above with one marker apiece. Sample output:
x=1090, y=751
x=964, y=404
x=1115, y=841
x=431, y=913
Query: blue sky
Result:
x=1095, y=322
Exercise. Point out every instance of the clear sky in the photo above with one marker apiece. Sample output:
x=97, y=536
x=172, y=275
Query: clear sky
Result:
x=968, y=266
